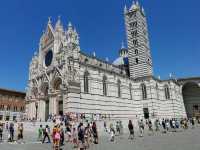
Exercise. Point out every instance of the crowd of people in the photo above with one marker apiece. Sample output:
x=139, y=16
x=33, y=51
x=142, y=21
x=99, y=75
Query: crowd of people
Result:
x=162, y=125
x=10, y=129
x=83, y=134
x=80, y=135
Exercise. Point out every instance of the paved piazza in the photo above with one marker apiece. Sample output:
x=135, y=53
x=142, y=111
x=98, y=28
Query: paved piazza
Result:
x=181, y=140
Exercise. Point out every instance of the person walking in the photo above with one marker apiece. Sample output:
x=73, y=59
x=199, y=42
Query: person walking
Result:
x=11, y=132
x=112, y=133
x=193, y=123
x=95, y=133
x=157, y=125
x=40, y=133
x=164, y=126
x=141, y=127
x=121, y=127
x=167, y=125
x=105, y=126
x=46, y=134
x=87, y=136
x=131, y=130
x=150, y=127
x=56, y=137
x=74, y=138
x=117, y=128
x=81, y=139
x=20, y=131
x=174, y=125
x=62, y=135
x=1, y=132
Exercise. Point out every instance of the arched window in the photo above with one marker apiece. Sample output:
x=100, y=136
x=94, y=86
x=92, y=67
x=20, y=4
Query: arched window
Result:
x=136, y=60
x=144, y=91
x=136, y=51
x=157, y=91
x=104, y=86
x=130, y=90
x=167, y=94
x=119, y=88
x=86, y=86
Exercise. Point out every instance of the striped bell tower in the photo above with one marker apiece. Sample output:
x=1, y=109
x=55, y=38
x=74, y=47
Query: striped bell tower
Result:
x=140, y=61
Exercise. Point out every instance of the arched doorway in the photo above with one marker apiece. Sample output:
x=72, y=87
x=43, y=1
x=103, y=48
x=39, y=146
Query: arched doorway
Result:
x=57, y=87
x=191, y=97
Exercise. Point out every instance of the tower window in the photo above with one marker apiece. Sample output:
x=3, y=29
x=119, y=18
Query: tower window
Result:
x=134, y=33
x=136, y=51
x=119, y=88
x=167, y=94
x=104, y=86
x=130, y=90
x=86, y=88
x=135, y=42
x=133, y=24
x=136, y=61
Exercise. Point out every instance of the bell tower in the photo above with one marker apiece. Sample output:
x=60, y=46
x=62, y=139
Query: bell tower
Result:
x=140, y=61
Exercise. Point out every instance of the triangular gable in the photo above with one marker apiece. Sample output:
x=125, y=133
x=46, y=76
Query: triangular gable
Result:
x=61, y=46
x=48, y=35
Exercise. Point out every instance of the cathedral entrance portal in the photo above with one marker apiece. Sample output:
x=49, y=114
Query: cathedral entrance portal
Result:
x=191, y=97
x=60, y=107
x=57, y=87
x=146, y=113
x=45, y=98
x=46, y=110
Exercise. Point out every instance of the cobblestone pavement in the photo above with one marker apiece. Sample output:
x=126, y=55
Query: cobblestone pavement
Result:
x=181, y=140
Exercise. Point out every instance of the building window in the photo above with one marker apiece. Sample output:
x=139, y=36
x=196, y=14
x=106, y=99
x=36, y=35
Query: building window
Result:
x=130, y=90
x=119, y=88
x=86, y=86
x=22, y=109
x=136, y=51
x=133, y=25
x=8, y=107
x=167, y=94
x=2, y=107
x=136, y=60
x=157, y=91
x=135, y=42
x=134, y=33
x=144, y=91
x=104, y=86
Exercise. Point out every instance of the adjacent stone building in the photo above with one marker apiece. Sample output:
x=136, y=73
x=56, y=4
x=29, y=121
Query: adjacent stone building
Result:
x=63, y=79
x=12, y=105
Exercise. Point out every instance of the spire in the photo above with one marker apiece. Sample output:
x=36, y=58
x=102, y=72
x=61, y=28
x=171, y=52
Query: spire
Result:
x=143, y=11
x=135, y=5
x=125, y=9
x=123, y=47
x=69, y=25
x=59, y=24
x=94, y=54
x=35, y=53
x=49, y=20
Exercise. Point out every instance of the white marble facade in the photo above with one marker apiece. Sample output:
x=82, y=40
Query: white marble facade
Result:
x=63, y=79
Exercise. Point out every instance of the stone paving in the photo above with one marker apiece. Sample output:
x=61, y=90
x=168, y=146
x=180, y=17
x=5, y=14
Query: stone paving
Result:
x=181, y=140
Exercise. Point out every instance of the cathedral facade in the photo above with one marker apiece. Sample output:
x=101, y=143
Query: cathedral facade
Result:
x=64, y=79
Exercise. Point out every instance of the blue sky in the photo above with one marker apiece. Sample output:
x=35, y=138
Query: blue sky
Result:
x=174, y=29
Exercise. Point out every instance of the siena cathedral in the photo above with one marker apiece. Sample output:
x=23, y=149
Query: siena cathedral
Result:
x=63, y=79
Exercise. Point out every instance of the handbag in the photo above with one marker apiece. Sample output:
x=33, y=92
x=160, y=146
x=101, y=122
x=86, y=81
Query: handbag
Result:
x=57, y=136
